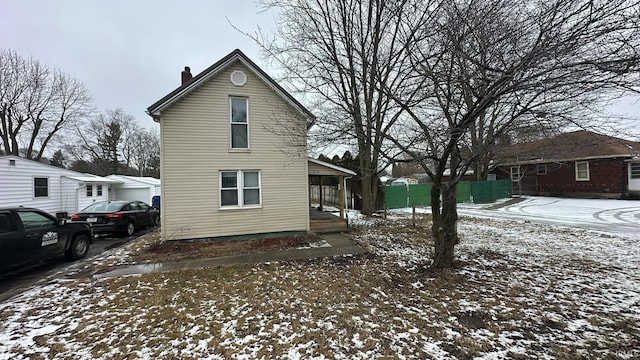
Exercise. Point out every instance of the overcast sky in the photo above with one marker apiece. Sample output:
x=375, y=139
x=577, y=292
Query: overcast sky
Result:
x=129, y=53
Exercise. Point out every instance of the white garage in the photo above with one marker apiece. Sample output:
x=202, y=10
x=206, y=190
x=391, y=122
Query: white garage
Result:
x=134, y=188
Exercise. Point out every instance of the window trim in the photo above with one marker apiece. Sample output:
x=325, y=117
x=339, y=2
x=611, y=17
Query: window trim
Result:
x=631, y=175
x=578, y=178
x=231, y=123
x=240, y=189
x=34, y=187
x=517, y=173
x=544, y=169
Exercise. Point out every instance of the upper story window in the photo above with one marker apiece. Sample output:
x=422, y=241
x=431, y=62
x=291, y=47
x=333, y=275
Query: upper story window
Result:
x=582, y=171
x=40, y=187
x=239, y=122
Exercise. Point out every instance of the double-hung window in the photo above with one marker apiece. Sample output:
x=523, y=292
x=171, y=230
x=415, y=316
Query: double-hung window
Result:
x=239, y=122
x=89, y=190
x=240, y=188
x=582, y=171
x=40, y=187
x=515, y=173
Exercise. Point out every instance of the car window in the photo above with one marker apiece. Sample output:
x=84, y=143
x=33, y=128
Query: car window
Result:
x=134, y=206
x=6, y=225
x=126, y=208
x=32, y=219
x=103, y=207
x=143, y=206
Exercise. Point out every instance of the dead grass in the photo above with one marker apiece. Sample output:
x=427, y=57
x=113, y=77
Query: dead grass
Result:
x=359, y=307
x=153, y=249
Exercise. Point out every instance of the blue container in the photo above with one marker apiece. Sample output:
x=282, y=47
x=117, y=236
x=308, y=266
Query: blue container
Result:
x=155, y=201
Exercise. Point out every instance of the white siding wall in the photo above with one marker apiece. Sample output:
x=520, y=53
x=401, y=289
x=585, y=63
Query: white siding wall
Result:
x=195, y=147
x=16, y=187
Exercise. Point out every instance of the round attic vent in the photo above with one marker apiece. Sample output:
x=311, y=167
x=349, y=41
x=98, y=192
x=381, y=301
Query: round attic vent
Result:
x=238, y=78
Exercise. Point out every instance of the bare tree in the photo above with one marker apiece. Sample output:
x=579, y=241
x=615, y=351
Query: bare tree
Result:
x=108, y=141
x=518, y=64
x=345, y=56
x=147, y=152
x=36, y=103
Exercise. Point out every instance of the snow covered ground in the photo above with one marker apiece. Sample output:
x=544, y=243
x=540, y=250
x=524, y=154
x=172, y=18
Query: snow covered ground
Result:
x=520, y=290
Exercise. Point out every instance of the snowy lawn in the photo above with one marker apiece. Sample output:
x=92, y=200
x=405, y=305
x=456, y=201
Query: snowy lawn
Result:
x=519, y=291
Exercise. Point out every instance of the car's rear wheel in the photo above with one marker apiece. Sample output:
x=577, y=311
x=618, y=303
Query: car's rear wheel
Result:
x=79, y=247
x=130, y=229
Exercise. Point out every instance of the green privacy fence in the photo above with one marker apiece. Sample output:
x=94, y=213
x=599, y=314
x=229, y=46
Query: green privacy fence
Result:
x=490, y=191
x=397, y=197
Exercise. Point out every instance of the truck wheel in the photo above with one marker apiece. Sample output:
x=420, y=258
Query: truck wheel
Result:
x=79, y=247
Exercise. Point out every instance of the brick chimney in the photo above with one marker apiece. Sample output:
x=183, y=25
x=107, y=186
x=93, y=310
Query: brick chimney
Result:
x=186, y=75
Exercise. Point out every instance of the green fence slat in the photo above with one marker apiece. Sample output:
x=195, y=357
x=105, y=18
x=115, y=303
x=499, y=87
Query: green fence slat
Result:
x=395, y=197
x=420, y=195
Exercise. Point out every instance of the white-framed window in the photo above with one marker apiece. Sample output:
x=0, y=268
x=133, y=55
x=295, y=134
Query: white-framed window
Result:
x=582, y=171
x=89, y=190
x=240, y=189
x=515, y=173
x=635, y=170
x=239, y=118
x=542, y=169
x=99, y=190
x=40, y=187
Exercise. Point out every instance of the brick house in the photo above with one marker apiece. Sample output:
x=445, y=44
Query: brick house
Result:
x=579, y=163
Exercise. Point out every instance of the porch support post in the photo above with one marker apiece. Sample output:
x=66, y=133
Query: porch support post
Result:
x=341, y=201
x=320, y=193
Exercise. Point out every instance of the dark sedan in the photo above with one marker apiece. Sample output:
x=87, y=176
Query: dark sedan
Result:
x=118, y=217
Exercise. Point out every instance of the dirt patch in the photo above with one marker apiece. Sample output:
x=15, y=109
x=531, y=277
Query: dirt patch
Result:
x=153, y=249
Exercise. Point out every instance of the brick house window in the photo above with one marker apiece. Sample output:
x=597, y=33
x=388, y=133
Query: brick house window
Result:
x=582, y=171
x=515, y=173
x=542, y=169
x=635, y=170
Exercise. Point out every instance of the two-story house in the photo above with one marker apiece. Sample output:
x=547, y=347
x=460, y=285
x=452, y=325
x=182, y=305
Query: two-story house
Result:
x=233, y=155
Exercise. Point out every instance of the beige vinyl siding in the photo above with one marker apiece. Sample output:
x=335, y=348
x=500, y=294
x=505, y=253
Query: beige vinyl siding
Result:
x=195, y=147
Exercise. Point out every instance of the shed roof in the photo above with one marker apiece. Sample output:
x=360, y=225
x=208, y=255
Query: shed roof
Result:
x=577, y=145
x=156, y=109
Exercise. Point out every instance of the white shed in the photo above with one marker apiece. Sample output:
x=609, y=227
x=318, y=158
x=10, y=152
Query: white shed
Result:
x=55, y=190
x=135, y=188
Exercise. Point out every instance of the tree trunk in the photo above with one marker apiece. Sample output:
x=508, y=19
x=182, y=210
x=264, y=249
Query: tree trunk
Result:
x=444, y=227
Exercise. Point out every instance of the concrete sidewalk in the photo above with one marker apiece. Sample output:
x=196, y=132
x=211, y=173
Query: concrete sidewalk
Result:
x=338, y=244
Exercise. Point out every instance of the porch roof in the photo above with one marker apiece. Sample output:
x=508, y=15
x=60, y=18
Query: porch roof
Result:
x=321, y=168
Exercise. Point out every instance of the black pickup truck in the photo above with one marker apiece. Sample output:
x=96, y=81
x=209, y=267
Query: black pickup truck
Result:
x=28, y=235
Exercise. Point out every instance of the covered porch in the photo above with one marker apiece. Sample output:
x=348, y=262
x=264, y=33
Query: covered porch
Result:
x=321, y=220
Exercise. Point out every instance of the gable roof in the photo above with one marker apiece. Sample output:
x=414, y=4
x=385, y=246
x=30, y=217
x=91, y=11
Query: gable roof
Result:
x=156, y=109
x=577, y=145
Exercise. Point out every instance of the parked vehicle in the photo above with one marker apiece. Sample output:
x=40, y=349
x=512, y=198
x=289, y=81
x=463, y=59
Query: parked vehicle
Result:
x=118, y=217
x=28, y=235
